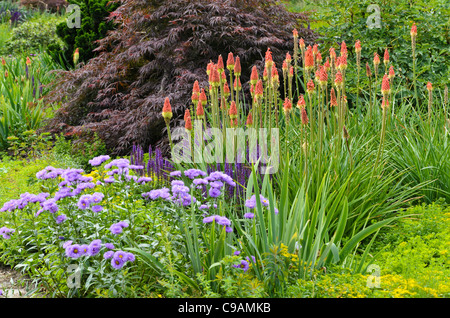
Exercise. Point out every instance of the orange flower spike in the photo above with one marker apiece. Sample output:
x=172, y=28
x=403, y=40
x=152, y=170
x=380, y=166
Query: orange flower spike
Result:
x=194, y=98
x=208, y=68
x=233, y=110
x=200, y=112
x=310, y=87
x=249, y=120
x=254, y=76
x=187, y=120
x=429, y=86
x=332, y=54
x=287, y=106
x=215, y=77
x=3, y=61
x=385, y=86
x=323, y=76
x=391, y=72
x=339, y=81
x=288, y=58
x=291, y=71
x=196, y=87
x=202, y=98
x=252, y=90
x=220, y=66
x=414, y=30
x=237, y=66
x=167, y=109
x=327, y=64
x=268, y=59
x=295, y=33
x=343, y=49
x=230, y=62
x=376, y=59
x=301, y=102
x=343, y=63
x=315, y=49
x=304, y=116
x=226, y=90
x=28, y=62
x=386, y=57
x=309, y=59
x=368, y=71
x=333, y=100
x=358, y=46
x=301, y=44
x=275, y=76
x=259, y=89
x=284, y=67
x=318, y=57
x=265, y=74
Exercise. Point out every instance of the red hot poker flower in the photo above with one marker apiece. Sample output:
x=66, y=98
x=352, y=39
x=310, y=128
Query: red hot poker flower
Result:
x=167, y=109
x=429, y=86
x=385, y=86
x=333, y=100
x=237, y=66
x=254, y=75
x=200, y=112
x=233, y=110
x=287, y=106
x=230, y=62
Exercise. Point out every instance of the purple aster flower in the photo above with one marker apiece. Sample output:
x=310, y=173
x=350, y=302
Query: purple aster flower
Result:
x=121, y=163
x=122, y=224
x=117, y=263
x=94, y=248
x=5, y=232
x=85, y=249
x=251, y=203
x=84, y=201
x=143, y=180
x=96, y=208
x=50, y=205
x=253, y=259
x=108, y=255
x=67, y=244
x=115, y=229
x=249, y=215
x=109, y=180
x=61, y=218
x=200, y=181
x=85, y=185
x=216, y=184
x=175, y=173
x=237, y=253
x=193, y=173
x=99, y=160
x=228, y=229
x=243, y=265
x=97, y=197
x=177, y=182
x=109, y=246
x=203, y=207
x=208, y=219
x=214, y=192
x=130, y=257
x=73, y=251
x=123, y=256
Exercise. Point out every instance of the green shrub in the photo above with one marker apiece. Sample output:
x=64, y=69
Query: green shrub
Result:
x=347, y=21
x=33, y=36
x=93, y=27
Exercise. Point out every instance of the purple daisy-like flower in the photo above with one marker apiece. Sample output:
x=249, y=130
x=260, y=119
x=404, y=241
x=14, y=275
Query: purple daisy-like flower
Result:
x=253, y=259
x=73, y=251
x=96, y=208
x=117, y=263
x=97, y=197
x=143, y=180
x=175, y=173
x=97, y=161
x=244, y=265
x=208, y=219
x=237, y=253
x=84, y=201
x=131, y=257
x=214, y=192
x=85, y=249
x=123, y=224
x=108, y=254
x=115, y=229
x=5, y=232
x=203, y=207
x=251, y=203
x=109, y=180
x=50, y=205
x=177, y=183
x=61, y=218
x=200, y=181
x=109, y=246
x=67, y=244
x=193, y=173
x=121, y=255
x=249, y=215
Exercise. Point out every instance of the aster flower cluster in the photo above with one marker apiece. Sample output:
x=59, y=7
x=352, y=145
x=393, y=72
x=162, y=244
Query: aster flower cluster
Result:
x=91, y=200
x=119, y=258
x=117, y=228
x=221, y=220
x=6, y=233
x=245, y=263
x=25, y=199
x=251, y=204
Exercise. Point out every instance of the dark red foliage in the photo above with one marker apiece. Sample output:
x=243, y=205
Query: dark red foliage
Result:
x=50, y=5
x=159, y=50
